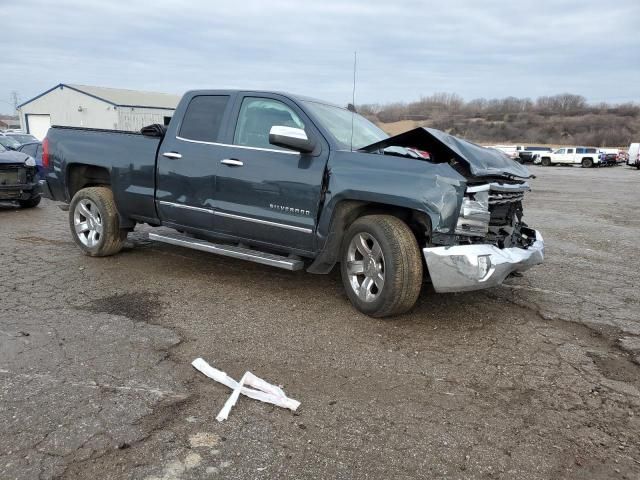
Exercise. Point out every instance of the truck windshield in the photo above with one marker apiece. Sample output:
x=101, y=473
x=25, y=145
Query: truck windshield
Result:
x=2, y=149
x=338, y=121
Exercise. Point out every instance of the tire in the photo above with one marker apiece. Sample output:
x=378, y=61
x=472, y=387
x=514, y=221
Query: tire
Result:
x=30, y=203
x=587, y=163
x=399, y=264
x=93, y=209
x=546, y=162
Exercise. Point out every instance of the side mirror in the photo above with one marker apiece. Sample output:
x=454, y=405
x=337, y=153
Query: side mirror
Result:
x=292, y=138
x=155, y=130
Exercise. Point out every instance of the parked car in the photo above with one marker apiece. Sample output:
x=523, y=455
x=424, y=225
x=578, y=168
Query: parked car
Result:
x=608, y=158
x=18, y=178
x=8, y=143
x=529, y=154
x=623, y=156
x=298, y=183
x=22, y=138
x=586, y=156
x=513, y=151
x=33, y=149
x=634, y=155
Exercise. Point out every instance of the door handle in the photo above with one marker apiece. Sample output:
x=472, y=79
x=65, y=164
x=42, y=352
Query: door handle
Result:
x=232, y=162
x=172, y=155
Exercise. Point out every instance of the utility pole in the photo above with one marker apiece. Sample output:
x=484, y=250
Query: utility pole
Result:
x=15, y=100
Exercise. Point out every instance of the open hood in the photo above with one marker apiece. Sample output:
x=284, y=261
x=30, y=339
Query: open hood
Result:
x=482, y=162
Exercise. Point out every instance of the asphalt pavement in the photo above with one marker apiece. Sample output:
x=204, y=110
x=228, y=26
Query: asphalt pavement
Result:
x=536, y=379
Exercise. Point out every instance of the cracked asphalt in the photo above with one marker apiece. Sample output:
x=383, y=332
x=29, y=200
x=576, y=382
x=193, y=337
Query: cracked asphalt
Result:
x=537, y=379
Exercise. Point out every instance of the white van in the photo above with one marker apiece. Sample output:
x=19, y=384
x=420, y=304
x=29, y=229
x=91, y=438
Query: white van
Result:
x=634, y=155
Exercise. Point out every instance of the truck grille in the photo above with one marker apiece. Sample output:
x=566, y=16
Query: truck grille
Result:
x=12, y=175
x=497, y=198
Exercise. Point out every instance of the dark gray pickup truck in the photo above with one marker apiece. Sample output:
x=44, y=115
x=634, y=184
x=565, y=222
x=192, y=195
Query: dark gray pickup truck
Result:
x=297, y=183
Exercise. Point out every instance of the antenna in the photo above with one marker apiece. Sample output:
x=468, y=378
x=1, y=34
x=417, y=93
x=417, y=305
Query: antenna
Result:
x=353, y=94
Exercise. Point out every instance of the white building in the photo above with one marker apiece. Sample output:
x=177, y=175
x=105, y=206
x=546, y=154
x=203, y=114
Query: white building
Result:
x=95, y=107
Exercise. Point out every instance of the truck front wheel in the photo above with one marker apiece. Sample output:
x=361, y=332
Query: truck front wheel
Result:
x=381, y=266
x=587, y=163
x=94, y=222
x=546, y=162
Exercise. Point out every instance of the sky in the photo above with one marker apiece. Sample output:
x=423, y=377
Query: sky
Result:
x=406, y=49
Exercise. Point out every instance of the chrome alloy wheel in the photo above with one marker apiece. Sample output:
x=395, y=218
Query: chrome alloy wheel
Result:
x=365, y=267
x=87, y=222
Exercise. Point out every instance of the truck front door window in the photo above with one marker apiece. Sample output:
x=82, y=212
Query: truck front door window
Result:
x=203, y=118
x=257, y=116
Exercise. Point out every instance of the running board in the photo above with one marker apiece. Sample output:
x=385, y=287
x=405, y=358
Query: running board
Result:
x=233, y=251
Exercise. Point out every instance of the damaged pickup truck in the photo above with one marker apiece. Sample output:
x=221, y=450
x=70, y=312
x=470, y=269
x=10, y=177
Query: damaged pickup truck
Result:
x=18, y=178
x=298, y=183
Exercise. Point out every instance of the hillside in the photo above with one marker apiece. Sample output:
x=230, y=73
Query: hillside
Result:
x=560, y=119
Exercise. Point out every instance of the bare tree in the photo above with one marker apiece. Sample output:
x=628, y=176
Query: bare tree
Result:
x=551, y=119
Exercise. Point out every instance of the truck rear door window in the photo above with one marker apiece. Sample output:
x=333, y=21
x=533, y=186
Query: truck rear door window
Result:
x=203, y=118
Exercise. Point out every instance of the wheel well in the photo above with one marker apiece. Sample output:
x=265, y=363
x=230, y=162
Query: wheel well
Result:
x=347, y=211
x=418, y=222
x=81, y=176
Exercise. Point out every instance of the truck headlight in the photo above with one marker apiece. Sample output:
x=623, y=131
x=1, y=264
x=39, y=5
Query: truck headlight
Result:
x=30, y=162
x=474, y=214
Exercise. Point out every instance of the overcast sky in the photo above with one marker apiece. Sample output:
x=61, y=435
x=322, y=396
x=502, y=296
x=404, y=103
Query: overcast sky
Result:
x=406, y=49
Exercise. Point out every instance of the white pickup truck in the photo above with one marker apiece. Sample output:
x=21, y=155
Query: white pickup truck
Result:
x=586, y=156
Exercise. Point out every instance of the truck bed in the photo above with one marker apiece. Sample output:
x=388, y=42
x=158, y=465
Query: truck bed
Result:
x=129, y=157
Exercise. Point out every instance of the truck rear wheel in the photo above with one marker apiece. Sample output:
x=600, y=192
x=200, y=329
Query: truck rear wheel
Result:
x=587, y=163
x=94, y=222
x=381, y=266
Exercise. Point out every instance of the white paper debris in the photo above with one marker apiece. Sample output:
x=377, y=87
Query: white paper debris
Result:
x=264, y=391
x=231, y=401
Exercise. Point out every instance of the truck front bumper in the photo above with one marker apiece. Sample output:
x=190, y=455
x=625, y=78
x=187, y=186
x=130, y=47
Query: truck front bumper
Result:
x=462, y=268
x=19, y=191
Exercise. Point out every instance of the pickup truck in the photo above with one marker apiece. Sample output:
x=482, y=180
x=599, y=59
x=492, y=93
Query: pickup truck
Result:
x=18, y=178
x=298, y=183
x=529, y=154
x=586, y=156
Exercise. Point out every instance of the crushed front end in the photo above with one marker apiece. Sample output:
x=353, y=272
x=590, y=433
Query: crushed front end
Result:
x=18, y=181
x=490, y=241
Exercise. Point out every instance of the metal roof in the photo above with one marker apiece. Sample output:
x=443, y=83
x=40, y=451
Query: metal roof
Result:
x=120, y=97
